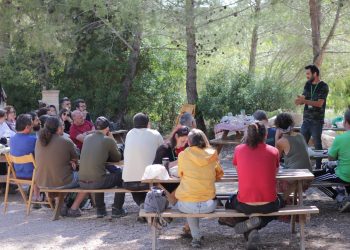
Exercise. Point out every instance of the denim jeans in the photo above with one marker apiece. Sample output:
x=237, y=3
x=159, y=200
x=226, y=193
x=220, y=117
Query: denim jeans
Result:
x=313, y=129
x=196, y=208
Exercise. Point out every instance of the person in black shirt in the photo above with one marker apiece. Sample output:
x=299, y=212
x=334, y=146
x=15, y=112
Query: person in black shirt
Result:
x=314, y=99
x=171, y=149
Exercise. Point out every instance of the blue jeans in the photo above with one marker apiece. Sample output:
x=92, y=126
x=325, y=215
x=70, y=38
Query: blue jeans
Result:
x=74, y=183
x=196, y=208
x=313, y=129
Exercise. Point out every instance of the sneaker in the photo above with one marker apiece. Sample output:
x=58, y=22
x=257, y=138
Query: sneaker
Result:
x=253, y=240
x=227, y=221
x=73, y=212
x=118, y=213
x=196, y=243
x=100, y=213
x=36, y=206
x=248, y=225
x=345, y=206
x=142, y=219
x=64, y=210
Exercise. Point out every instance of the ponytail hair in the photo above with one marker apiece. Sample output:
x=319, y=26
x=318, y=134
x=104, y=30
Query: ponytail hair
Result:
x=50, y=128
x=256, y=134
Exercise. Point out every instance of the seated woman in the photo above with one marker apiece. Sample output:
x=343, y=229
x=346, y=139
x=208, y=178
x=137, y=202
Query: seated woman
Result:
x=55, y=157
x=199, y=168
x=257, y=165
x=171, y=149
x=294, y=148
x=261, y=116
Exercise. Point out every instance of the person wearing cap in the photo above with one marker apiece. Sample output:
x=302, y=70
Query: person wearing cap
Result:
x=141, y=145
x=100, y=147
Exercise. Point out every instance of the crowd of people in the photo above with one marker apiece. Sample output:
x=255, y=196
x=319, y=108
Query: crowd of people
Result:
x=71, y=151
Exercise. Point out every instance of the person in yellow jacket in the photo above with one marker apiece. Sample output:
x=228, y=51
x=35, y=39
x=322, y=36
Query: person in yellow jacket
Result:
x=198, y=169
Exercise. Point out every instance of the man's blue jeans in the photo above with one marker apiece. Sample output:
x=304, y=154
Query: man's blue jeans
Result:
x=313, y=129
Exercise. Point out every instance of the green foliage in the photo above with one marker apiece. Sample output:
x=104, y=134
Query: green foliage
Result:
x=230, y=92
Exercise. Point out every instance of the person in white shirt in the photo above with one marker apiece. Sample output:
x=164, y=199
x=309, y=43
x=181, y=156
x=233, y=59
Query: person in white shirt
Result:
x=141, y=145
x=5, y=130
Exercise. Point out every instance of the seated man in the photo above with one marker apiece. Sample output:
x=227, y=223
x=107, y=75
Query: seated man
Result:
x=261, y=116
x=56, y=159
x=80, y=128
x=36, y=122
x=141, y=145
x=340, y=151
x=5, y=130
x=81, y=106
x=99, y=148
x=23, y=143
x=188, y=120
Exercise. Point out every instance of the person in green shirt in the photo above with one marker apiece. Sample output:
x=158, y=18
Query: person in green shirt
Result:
x=100, y=147
x=340, y=152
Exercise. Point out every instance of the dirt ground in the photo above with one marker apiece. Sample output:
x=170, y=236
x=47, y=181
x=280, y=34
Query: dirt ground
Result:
x=328, y=230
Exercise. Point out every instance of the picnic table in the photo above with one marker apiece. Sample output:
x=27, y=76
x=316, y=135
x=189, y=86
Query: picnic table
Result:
x=298, y=175
x=298, y=129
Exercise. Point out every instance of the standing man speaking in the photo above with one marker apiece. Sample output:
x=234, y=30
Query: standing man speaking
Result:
x=314, y=99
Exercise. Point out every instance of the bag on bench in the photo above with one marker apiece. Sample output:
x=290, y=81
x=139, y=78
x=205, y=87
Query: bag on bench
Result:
x=156, y=202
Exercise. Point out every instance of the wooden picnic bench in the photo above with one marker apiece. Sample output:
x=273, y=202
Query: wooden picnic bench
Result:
x=298, y=175
x=60, y=193
x=303, y=212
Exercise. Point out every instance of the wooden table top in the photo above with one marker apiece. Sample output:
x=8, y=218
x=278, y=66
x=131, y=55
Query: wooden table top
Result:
x=231, y=176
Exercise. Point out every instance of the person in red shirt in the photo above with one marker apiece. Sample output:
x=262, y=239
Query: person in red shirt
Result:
x=80, y=128
x=257, y=165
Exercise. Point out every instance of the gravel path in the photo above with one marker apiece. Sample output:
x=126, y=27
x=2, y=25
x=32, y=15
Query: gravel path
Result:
x=328, y=230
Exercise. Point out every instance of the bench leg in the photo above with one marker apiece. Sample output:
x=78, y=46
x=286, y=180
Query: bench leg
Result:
x=302, y=231
x=293, y=218
x=154, y=237
x=58, y=205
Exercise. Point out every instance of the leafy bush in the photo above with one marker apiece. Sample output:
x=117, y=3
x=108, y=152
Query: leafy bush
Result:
x=230, y=92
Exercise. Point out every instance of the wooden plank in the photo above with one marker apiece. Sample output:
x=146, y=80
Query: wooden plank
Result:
x=328, y=184
x=231, y=176
x=79, y=190
x=289, y=210
x=224, y=142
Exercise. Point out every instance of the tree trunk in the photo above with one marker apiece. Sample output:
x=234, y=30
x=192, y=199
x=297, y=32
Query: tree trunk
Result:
x=45, y=77
x=315, y=16
x=191, y=56
x=130, y=74
x=255, y=39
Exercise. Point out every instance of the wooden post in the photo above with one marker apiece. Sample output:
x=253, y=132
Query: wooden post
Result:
x=302, y=231
x=154, y=237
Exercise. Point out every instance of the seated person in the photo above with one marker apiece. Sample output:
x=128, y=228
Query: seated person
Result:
x=81, y=106
x=56, y=160
x=293, y=146
x=199, y=168
x=188, y=120
x=36, y=122
x=261, y=116
x=98, y=148
x=141, y=145
x=257, y=165
x=80, y=128
x=171, y=150
x=338, y=152
x=23, y=143
x=52, y=110
x=64, y=115
x=5, y=130
x=11, y=117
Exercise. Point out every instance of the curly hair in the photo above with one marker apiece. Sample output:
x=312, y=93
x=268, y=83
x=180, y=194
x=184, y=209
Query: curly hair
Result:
x=284, y=121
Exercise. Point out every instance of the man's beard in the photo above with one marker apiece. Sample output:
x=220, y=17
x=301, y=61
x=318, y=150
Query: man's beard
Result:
x=36, y=128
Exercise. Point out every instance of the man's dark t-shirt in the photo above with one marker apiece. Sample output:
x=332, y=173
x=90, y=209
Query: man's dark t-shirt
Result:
x=314, y=92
